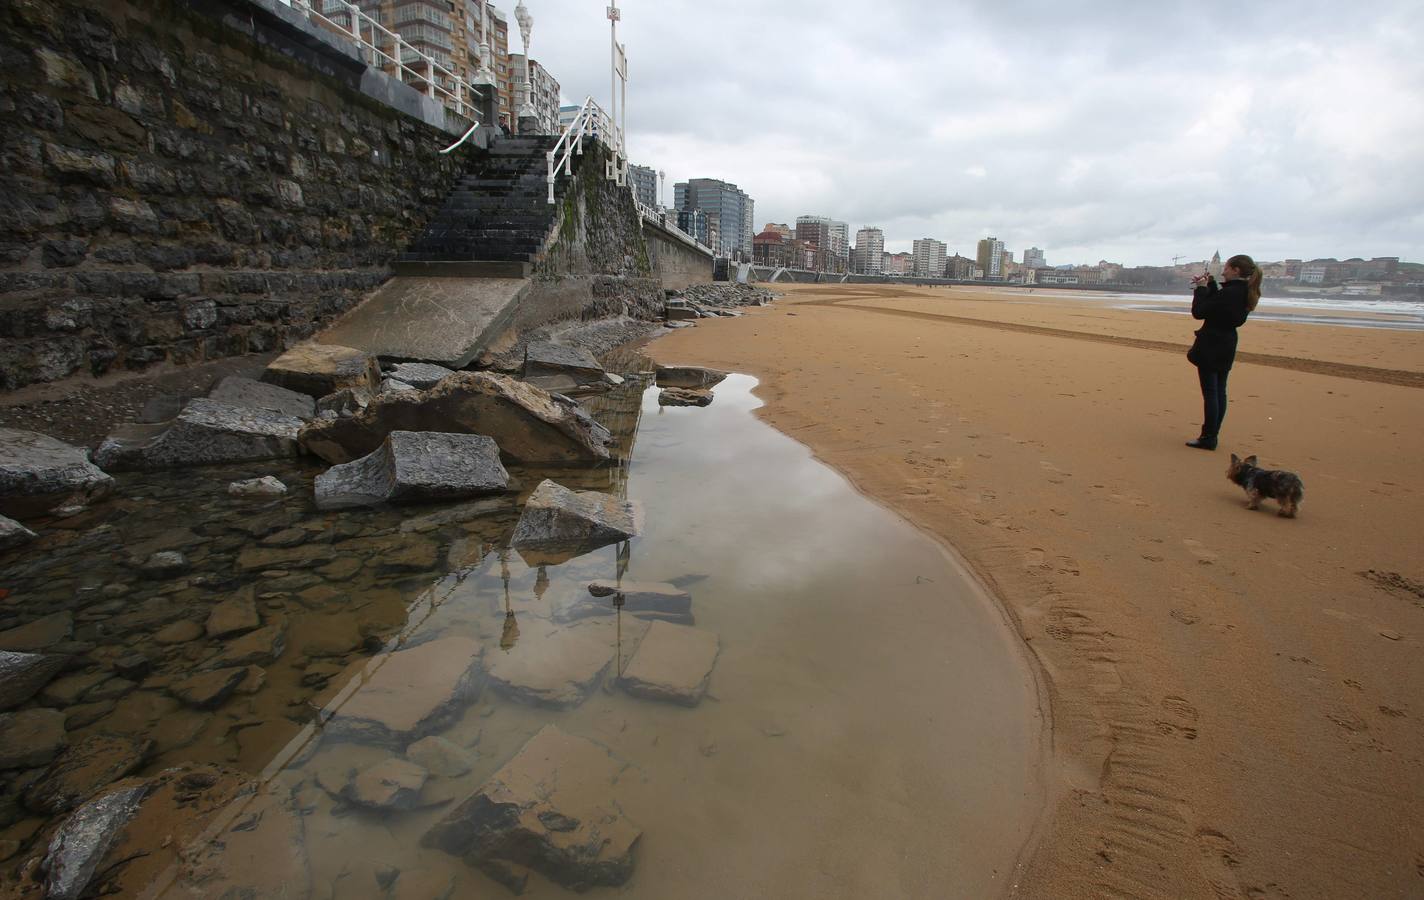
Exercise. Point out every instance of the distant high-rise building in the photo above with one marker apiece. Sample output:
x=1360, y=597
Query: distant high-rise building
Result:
x=644, y=180
x=830, y=238
x=694, y=222
x=728, y=209
x=1033, y=258
x=991, y=257
x=545, y=94
x=928, y=258
x=868, y=257
x=783, y=230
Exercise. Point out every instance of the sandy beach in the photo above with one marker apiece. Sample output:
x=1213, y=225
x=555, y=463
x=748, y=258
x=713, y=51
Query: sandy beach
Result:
x=1234, y=697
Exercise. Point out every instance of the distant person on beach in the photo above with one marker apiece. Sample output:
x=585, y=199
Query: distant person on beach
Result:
x=1223, y=309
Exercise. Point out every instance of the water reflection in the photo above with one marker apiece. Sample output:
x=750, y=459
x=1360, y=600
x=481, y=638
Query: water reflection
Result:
x=861, y=725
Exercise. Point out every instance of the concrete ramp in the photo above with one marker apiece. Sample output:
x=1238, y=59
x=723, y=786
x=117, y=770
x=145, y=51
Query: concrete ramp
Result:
x=429, y=319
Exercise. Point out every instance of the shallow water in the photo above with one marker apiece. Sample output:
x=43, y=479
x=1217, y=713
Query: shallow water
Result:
x=870, y=727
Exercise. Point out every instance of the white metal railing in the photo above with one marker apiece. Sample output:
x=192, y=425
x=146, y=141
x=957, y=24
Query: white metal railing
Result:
x=661, y=218
x=591, y=122
x=382, y=47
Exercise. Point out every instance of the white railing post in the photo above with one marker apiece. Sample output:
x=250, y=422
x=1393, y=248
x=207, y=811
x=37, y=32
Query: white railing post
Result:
x=550, y=155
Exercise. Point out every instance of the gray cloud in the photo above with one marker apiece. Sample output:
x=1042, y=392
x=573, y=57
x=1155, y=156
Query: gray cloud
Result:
x=1126, y=131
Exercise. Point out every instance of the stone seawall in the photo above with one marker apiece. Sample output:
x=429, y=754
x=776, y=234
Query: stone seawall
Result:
x=174, y=190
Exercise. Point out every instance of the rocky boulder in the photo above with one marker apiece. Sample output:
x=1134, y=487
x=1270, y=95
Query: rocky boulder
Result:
x=673, y=663
x=13, y=534
x=22, y=675
x=39, y=474
x=545, y=665
x=414, y=466
x=688, y=376
x=421, y=376
x=552, y=808
x=201, y=830
x=235, y=390
x=528, y=424
x=684, y=397
x=320, y=369
x=391, y=784
x=81, y=843
x=404, y=696
x=265, y=488
x=39, y=634
x=30, y=738
x=557, y=518
x=343, y=404
x=544, y=358
x=206, y=432
x=83, y=769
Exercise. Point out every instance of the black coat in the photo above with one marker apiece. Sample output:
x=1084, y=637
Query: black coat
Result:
x=1223, y=309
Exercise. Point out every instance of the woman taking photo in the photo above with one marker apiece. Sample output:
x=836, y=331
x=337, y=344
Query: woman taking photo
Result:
x=1222, y=308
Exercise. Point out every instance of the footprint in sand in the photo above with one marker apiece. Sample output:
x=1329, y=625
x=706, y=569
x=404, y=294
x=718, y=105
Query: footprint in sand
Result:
x=1197, y=549
x=1179, y=707
x=1186, y=617
x=1218, y=857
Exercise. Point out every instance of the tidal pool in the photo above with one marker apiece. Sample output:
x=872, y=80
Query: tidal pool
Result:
x=870, y=726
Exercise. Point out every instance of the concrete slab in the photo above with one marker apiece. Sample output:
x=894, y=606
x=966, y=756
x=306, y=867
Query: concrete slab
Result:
x=440, y=320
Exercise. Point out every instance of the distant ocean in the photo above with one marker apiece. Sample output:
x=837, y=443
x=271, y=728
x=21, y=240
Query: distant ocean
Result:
x=1393, y=313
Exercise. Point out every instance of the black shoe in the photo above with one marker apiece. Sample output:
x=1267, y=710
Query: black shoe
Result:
x=1202, y=444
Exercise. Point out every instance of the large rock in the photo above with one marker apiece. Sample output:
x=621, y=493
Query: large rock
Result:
x=528, y=424
x=320, y=369
x=555, y=518
x=235, y=615
x=256, y=648
x=688, y=376
x=40, y=633
x=209, y=690
x=206, y=432
x=79, y=846
x=235, y=390
x=39, y=474
x=552, y=666
x=421, y=376
x=83, y=769
x=412, y=466
x=543, y=358
x=22, y=675
x=441, y=757
x=673, y=663
x=13, y=534
x=389, y=784
x=674, y=396
x=552, y=808
x=407, y=695
x=265, y=488
x=30, y=738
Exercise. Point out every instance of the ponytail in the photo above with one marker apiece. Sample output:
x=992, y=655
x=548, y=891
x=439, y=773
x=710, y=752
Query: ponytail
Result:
x=1247, y=267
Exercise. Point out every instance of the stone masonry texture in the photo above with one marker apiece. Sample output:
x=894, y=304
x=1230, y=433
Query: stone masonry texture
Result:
x=172, y=190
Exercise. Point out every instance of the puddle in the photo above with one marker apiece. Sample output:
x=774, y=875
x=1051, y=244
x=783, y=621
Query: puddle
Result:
x=868, y=728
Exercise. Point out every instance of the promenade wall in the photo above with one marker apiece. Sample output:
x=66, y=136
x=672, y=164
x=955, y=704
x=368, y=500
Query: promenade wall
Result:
x=189, y=180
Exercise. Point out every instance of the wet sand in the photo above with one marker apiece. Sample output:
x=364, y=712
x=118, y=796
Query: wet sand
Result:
x=1234, y=696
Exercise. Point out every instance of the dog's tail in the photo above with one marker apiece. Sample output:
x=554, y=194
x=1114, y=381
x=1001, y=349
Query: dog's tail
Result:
x=1295, y=490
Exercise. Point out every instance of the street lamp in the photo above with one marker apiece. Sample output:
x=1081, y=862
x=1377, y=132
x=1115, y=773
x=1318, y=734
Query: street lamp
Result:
x=526, y=25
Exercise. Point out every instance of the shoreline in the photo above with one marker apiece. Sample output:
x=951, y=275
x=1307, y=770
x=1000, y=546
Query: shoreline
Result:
x=1131, y=804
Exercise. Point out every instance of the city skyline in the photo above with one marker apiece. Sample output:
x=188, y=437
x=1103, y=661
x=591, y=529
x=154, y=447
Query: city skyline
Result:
x=1099, y=136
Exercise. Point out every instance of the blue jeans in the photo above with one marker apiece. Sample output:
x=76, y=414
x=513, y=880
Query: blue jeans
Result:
x=1213, y=388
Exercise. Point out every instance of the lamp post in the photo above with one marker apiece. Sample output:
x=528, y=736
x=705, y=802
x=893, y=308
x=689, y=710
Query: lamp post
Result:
x=526, y=25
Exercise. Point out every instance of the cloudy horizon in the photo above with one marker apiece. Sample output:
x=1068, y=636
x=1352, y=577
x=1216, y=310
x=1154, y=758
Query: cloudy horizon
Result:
x=1134, y=134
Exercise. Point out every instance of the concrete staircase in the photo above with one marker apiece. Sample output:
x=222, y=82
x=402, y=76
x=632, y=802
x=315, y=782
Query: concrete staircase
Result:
x=497, y=219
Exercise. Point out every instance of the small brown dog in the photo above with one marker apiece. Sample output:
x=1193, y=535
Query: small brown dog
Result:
x=1279, y=485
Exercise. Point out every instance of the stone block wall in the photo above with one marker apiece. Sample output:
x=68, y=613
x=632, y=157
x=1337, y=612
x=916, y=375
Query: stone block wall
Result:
x=172, y=189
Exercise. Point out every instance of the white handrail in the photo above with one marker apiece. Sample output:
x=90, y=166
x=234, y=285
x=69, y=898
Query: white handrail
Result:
x=464, y=137
x=355, y=31
x=590, y=120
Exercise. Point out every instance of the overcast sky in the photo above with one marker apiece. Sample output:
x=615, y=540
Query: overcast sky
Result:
x=1127, y=131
